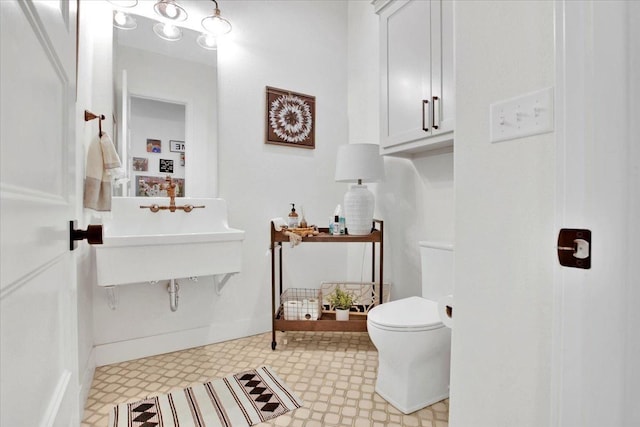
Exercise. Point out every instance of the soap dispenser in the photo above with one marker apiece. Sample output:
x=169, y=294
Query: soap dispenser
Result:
x=293, y=217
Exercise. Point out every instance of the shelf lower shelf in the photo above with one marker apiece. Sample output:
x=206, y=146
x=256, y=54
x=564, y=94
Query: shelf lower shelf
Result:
x=327, y=322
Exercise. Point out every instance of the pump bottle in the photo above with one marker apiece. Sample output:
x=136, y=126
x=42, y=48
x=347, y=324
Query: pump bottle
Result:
x=293, y=217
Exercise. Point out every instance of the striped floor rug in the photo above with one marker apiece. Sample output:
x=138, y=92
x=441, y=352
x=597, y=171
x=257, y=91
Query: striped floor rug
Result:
x=243, y=399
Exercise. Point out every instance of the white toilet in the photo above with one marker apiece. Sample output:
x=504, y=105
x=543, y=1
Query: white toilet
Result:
x=414, y=346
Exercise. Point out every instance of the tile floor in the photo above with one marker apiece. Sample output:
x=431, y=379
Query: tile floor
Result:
x=333, y=372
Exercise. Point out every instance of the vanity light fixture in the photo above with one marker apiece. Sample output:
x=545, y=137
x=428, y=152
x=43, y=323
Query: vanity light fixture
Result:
x=123, y=3
x=207, y=41
x=215, y=24
x=124, y=21
x=171, y=10
x=167, y=31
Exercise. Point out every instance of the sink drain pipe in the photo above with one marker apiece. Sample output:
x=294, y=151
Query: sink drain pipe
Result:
x=173, y=289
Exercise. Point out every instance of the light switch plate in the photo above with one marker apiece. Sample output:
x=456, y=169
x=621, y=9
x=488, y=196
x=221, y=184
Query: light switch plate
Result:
x=525, y=115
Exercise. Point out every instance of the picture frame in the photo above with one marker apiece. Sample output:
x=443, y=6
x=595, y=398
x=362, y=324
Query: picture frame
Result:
x=176, y=146
x=154, y=145
x=290, y=118
x=166, y=166
x=153, y=186
x=140, y=164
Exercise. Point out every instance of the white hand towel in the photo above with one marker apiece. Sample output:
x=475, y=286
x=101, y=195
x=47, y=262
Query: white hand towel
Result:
x=102, y=159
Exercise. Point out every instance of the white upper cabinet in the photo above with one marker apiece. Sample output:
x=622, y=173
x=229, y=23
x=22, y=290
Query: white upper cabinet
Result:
x=417, y=93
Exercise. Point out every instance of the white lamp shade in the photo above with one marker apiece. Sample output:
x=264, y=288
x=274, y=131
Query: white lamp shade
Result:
x=359, y=162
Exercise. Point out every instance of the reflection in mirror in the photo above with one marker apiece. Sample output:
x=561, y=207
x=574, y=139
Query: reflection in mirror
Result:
x=165, y=94
x=157, y=146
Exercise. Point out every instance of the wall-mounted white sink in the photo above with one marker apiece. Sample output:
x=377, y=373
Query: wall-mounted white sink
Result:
x=140, y=245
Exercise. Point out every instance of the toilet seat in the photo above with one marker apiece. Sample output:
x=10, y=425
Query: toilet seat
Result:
x=413, y=314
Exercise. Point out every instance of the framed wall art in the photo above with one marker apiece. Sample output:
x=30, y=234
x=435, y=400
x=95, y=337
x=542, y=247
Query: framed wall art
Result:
x=154, y=186
x=166, y=166
x=176, y=146
x=140, y=164
x=290, y=118
x=154, y=146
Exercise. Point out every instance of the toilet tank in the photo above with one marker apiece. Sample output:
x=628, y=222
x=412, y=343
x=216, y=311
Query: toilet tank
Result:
x=437, y=269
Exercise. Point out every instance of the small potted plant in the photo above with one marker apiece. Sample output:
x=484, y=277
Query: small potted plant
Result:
x=341, y=302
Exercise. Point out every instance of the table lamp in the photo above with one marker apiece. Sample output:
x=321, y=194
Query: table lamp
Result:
x=359, y=163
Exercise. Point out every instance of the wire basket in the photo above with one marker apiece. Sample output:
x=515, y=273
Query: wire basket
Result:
x=301, y=304
x=365, y=295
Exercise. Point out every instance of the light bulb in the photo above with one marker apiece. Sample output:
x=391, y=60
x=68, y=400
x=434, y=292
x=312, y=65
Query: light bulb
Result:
x=216, y=25
x=167, y=31
x=120, y=18
x=170, y=30
x=209, y=40
x=171, y=10
x=123, y=20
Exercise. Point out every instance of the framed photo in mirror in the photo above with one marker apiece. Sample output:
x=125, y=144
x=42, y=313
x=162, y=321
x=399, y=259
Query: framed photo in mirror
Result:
x=140, y=164
x=176, y=146
x=154, y=146
x=153, y=186
x=166, y=166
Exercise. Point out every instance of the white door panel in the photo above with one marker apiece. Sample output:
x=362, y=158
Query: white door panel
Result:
x=408, y=34
x=37, y=289
x=593, y=373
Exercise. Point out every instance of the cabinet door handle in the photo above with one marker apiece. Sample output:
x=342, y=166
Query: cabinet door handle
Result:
x=425, y=115
x=433, y=112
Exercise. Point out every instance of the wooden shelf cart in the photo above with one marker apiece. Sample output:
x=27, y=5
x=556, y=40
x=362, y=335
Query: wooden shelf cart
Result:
x=327, y=321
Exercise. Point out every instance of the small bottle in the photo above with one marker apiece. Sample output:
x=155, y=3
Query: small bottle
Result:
x=293, y=217
x=335, y=227
x=341, y=221
x=303, y=220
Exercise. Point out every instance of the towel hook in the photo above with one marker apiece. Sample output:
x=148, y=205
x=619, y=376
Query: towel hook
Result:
x=88, y=115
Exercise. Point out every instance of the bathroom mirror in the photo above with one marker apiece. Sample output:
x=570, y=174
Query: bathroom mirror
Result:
x=165, y=103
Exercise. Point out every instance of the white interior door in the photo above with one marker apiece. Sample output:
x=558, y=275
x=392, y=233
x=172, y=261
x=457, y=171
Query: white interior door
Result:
x=38, y=343
x=597, y=343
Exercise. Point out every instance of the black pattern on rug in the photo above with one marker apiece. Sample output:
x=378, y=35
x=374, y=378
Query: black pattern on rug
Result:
x=263, y=398
x=243, y=399
x=145, y=413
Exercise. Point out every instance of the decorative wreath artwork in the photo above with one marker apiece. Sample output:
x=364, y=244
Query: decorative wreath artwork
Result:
x=290, y=118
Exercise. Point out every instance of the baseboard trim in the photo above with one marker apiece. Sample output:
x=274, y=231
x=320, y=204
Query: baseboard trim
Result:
x=57, y=407
x=86, y=380
x=106, y=354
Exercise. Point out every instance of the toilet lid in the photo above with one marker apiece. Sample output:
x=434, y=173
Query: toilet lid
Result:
x=409, y=314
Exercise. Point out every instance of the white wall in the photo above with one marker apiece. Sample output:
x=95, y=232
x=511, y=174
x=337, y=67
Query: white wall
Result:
x=416, y=198
x=299, y=46
x=501, y=342
x=257, y=180
x=632, y=375
x=94, y=94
